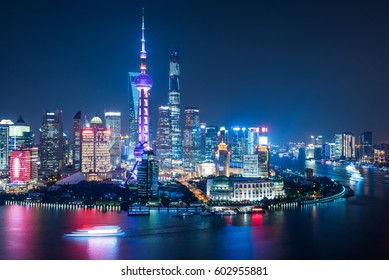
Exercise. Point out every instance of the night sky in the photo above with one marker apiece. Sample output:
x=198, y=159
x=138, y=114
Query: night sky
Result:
x=301, y=67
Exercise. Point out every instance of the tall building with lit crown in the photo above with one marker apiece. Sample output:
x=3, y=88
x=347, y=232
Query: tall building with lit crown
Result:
x=4, y=145
x=113, y=123
x=263, y=152
x=175, y=111
x=133, y=99
x=237, y=145
x=222, y=160
x=51, y=150
x=20, y=135
x=76, y=141
x=95, y=146
x=164, y=140
x=192, y=139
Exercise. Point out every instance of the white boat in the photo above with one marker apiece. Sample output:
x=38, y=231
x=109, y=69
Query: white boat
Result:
x=97, y=231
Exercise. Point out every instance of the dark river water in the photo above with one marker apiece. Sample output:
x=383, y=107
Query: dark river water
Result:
x=356, y=228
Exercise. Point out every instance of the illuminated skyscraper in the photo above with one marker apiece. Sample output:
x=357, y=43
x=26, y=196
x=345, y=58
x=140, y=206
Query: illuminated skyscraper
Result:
x=113, y=123
x=4, y=145
x=95, y=146
x=338, y=145
x=366, y=153
x=76, y=144
x=51, y=149
x=174, y=104
x=192, y=139
x=211, y=142
x=164, y=140
x=348, y=147
x=20, y=135
x=237, y=145
x=263, y=152
x=147, y=174
x=20, y=170
x=222, y=160
x=133, y=100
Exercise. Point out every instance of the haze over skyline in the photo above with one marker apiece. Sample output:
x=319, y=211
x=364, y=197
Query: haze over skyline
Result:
x=300, y=68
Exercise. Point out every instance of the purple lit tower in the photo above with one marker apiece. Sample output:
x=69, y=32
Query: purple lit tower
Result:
x=143, y=83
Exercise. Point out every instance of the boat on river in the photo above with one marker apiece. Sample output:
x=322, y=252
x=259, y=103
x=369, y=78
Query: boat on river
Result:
x=96, y=231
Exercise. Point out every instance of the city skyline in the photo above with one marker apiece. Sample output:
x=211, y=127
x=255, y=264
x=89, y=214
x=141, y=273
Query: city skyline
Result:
x=302, y=68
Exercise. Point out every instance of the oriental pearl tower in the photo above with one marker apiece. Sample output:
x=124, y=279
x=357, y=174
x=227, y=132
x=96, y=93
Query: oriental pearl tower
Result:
x=143, y=84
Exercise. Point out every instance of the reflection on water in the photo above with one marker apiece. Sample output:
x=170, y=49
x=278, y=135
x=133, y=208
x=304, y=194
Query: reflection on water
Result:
x=356, y=228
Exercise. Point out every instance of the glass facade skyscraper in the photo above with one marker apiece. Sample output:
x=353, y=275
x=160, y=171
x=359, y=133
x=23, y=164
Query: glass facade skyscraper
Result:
x=164, y=139
x=192, y=139
x=76, y=144
x=51, y=149
x=113, y=124
x=174, y=104
x=4, y=145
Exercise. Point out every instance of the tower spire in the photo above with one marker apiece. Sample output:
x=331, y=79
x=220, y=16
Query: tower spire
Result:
x=143, y=53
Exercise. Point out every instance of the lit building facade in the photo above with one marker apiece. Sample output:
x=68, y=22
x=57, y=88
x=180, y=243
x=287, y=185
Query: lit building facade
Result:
x=250, y=166
x=244, y=189
x=113, y=123
x=147, y=174
x=175, y=111
x=222, y=160
x=20, y=135
x=366, y=150
x=95, y=147
x=192, y=139
x=76, y=141
x=263, y=152
x=348, y=147
x=338, y=145
x=4, y=145
x=237, y=145
x=164, y=138
x=20, y=168
x=211, y=142
x=51, y=150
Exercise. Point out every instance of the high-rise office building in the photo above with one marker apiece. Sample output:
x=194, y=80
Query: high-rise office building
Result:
x=237, y=145
x=222, y=135
x=263, y=152
x=348, y=147
x=192, y=139
x=222, y=160
x=147, y=174
x=51, y=143
x=175, y=111
x=338, y=145
x=76, y=140
x=20, y=135
x=366, y=153
x=113, y=124
x=164, y=139
x=203, y=137
x=211, y=142
x=95, y=146
x=4, y=145
x=20, y=169
x=133, y=99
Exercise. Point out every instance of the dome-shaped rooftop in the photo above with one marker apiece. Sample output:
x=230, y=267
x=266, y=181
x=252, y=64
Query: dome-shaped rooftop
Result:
x=96, y=120
x=143, y=81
